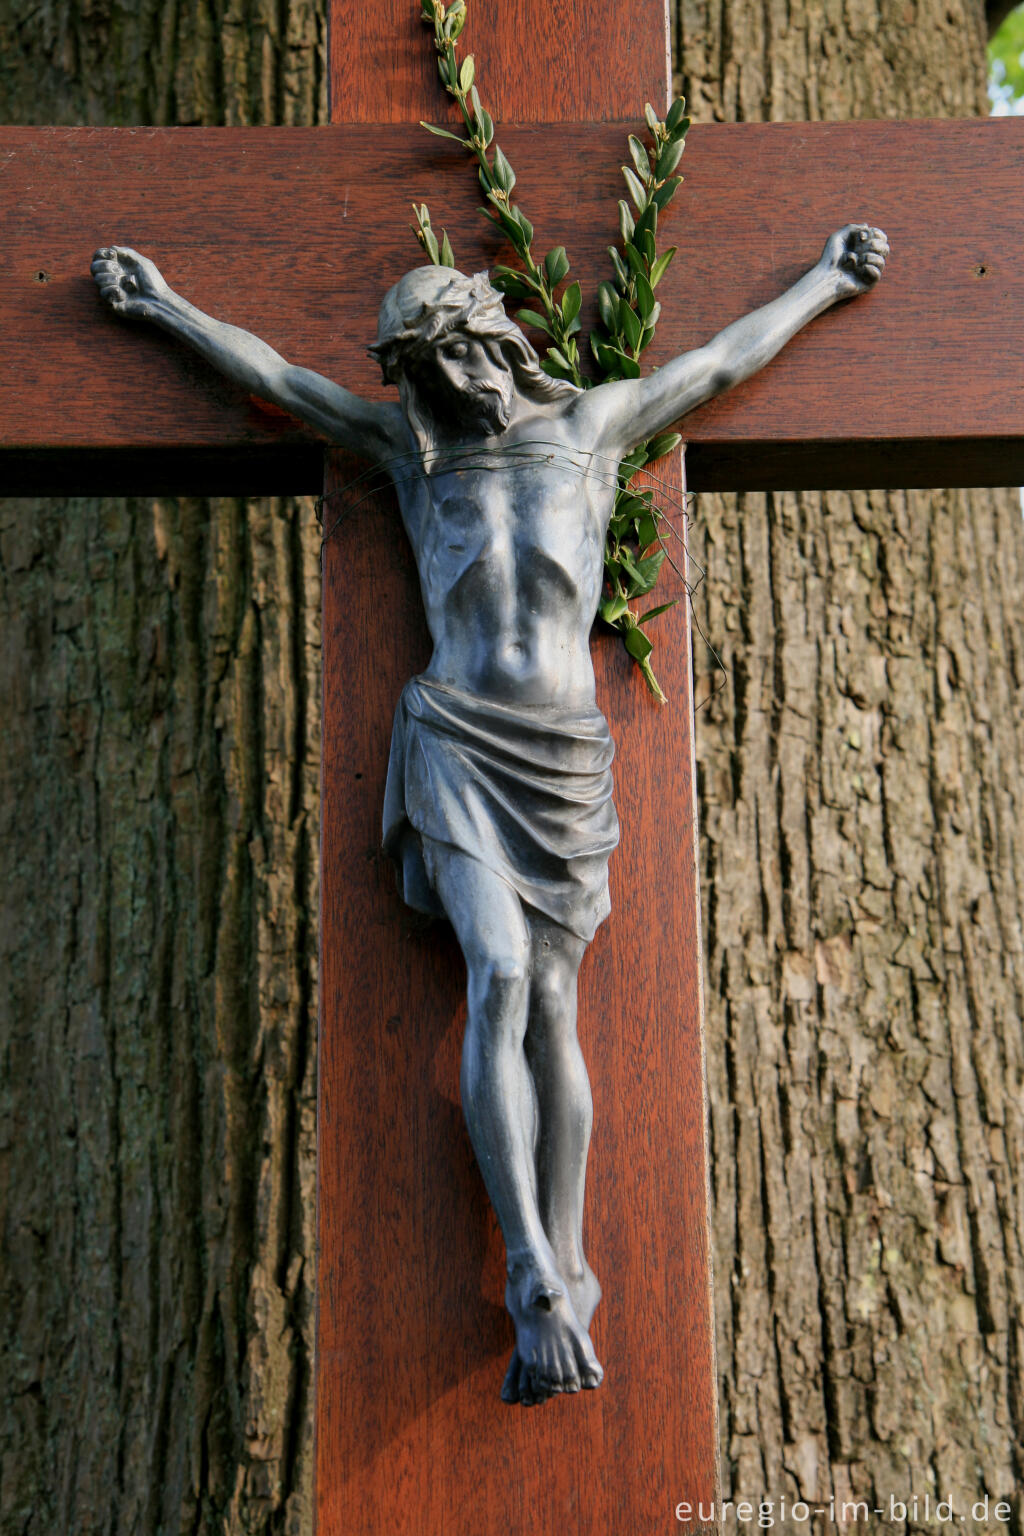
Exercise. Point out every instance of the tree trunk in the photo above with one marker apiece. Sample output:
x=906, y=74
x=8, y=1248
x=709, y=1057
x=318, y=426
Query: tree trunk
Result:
x=159, y=767
x=862, y=807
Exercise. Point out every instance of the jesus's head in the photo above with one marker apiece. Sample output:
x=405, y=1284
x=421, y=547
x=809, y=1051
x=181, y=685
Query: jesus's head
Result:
x=457, y=358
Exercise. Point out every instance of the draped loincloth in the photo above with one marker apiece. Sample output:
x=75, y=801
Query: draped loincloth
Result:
x=526, y=790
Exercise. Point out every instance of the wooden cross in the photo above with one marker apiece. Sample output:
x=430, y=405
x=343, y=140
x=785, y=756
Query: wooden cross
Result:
x=296, y=234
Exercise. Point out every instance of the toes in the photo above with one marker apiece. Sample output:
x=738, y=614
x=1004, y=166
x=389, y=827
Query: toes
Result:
x=529, y=1395
x=591, y=1377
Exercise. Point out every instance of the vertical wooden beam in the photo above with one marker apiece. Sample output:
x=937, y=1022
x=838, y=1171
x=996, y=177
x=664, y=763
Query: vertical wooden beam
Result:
x=544, y=61
x=412, y=1333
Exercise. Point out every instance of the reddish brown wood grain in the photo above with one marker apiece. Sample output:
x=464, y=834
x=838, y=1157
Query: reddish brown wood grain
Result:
x=281, y=231
x=413, y=1337
x=540, y=61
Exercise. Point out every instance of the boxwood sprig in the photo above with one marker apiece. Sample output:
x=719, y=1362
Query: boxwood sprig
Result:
x=634, y=549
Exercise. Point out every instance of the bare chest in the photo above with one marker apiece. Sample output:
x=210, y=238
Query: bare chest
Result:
x=517, y=519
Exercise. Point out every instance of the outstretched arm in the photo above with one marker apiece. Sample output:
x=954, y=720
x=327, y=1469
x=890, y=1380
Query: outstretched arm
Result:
x=635, y=409
x=133, y=286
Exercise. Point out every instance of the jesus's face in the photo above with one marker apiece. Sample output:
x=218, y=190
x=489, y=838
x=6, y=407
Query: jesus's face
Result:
x=477, y=385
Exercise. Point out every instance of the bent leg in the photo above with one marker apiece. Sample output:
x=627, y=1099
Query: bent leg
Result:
x=552, y=1346
x=564, y=1102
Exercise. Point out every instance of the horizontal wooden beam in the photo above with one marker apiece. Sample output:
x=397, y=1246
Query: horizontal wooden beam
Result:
x=296, y=234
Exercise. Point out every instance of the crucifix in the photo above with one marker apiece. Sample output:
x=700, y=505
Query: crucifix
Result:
x=411, y=1267
x=498, y=805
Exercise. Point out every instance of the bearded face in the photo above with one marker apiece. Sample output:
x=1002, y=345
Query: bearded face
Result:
x=472, y=385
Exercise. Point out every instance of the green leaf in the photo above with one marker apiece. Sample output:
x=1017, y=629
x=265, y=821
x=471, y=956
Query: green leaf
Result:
x=647, y=242
x=429, y=240
x=646, y=224
x=650, y=323
x=524, y=224
x=647, y=530
x=660, y=267
x=669, y=158
x=467, y=73
x=485, y=126
x=664, y=195
x=556, y=265
x=556, y=370
x=504, y=175
x=447, y=258
x=652, y=613
x=620, y=269
x=559, y=359
x=644, y=298
x=605, y=356
x=652, y=119
x=627, y=366
x=637, y=191
x=637, y=644
x=664, y=443
x=531, y=317
x=443, y=133
x=572, y=302
x=1004, y=56
x=650, y=566
x=512, y=284
x=635, y=260
x=639, y=157
x=612, y=609
x=607, y=305
x=629, y=324
x=626, y=225
x=675, y=114
x=625, y=559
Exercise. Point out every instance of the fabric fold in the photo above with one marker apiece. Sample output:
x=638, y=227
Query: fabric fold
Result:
x=525, y=789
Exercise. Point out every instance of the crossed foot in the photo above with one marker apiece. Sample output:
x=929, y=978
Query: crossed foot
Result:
x=553, y=1351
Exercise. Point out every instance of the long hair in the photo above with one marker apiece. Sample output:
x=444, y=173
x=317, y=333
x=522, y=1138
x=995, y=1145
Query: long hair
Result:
x=426, y=305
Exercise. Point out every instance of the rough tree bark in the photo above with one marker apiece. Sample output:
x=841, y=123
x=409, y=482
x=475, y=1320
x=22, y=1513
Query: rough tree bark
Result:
x=862, y=804
x=159, y=766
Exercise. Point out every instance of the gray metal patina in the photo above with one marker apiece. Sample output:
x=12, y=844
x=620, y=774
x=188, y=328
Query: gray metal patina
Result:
x=498, y=807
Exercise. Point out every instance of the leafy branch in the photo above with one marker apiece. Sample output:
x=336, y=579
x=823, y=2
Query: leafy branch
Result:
x=634, y=549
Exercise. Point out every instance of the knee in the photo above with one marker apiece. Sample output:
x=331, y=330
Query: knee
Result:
x=499, y=983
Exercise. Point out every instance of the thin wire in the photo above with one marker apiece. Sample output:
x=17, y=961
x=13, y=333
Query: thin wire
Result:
x=517, y=455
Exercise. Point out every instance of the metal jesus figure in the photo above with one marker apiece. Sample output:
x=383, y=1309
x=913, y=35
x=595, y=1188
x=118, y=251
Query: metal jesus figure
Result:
x=498, y=808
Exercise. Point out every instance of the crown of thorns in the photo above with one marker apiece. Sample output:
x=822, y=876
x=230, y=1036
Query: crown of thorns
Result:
x=423, y=306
